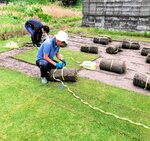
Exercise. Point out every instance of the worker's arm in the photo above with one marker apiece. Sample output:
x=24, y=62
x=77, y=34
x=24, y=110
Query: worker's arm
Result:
x=59, y=56
x=49, y=60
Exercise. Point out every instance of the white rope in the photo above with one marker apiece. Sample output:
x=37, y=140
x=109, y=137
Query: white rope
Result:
x=112, y=61
x=98, y=109
x=75, y=60
x=146, y=82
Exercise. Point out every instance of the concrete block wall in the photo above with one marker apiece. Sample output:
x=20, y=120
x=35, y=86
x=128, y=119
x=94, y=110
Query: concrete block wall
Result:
x=130, y=15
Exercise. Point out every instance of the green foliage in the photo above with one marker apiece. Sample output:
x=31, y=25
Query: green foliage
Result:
x=33, y=10
x=29, y=10
x=30, y=1
x=14, y=7
x=9, y=19
x=44, y=17
x=147, y=34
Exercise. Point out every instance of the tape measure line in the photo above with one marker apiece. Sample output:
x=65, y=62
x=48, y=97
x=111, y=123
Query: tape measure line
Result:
x=98, y=109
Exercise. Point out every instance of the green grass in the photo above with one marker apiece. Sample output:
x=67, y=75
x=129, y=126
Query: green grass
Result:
x=31, y=111
x=72, y=25
x=19, y=40
x=71, y=57
x=116, y=35
x=8, y=19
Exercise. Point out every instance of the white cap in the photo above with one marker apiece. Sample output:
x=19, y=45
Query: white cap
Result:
x=62, y=36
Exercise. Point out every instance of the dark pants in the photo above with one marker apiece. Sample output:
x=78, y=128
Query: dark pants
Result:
x=45, y=67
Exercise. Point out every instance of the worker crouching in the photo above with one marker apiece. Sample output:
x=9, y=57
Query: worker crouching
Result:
x=47, y=51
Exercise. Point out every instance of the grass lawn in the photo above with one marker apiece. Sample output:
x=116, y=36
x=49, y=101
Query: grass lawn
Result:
x=32, y=111
x=19, y=40
x=72, y=57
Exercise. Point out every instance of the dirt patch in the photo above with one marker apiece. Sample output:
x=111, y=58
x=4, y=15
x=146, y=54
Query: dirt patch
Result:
x=134, y=61
x=59, y=12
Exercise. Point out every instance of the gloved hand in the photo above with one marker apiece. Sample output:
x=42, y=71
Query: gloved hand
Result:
x=64, y=62
x=59, y=65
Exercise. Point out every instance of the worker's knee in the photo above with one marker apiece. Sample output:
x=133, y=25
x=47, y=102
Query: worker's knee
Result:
x=43, y=64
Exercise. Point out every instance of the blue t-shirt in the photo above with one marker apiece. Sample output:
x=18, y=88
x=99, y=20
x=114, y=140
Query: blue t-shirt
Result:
x=48, y=47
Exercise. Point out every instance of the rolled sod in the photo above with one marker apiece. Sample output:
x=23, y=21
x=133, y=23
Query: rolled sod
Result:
x=130, y=45
x=145, y=51
x=142, y=80
x=89, y=49
x=101, y=40
x=113, y=65
x=114, y=48
x=68, y=75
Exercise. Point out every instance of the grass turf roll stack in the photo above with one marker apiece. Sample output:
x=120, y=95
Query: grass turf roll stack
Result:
x=114, y=48
x=68, y=75
x=145, y=51
x=89, y=49
x=148, y=58
x=142, y=80
x=130, y=45
x=101, y=40
x=113, y=65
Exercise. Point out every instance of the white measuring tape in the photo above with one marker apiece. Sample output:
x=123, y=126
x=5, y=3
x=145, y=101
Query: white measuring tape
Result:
x=98, y=109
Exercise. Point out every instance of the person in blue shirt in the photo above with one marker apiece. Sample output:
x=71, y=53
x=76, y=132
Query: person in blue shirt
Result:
x=36, y=29
x=47, y=51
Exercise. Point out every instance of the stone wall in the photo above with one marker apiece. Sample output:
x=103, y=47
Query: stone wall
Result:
x=131, y=15
x=3, y=1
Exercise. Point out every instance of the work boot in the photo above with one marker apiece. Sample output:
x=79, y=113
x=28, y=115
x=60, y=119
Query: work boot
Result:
x=44, y=80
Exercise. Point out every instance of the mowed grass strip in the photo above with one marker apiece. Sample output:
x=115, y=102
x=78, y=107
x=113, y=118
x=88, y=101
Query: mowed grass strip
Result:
x=32, y=111
x=73, y=58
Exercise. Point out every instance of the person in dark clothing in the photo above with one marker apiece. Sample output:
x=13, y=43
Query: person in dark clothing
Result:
x=36, y=29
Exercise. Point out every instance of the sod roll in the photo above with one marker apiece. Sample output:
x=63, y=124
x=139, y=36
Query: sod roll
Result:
x=113, y=65
x=142, y=80
x=113, y=48
x=101, y=40
x=109, y=38
x=145, y=51
x=130, y=45
x=148, y=58
x=89, y=49
x=68, y=75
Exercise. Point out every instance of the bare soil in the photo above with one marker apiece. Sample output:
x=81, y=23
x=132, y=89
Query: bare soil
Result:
x=134, y=61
